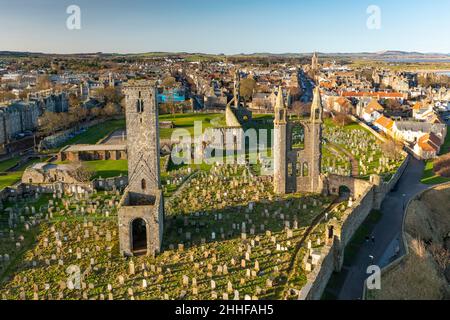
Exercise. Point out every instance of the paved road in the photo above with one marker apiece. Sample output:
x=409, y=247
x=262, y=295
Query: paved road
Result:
x=308, y=91
x=386, y=232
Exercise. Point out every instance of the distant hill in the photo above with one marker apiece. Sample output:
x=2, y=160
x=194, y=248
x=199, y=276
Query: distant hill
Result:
x=381, y=55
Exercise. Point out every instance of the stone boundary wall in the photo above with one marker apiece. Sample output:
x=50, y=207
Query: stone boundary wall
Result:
x=319, y=276
x=106, y=184
x=386, y=187
x=22, y=188
x=353, y=218
x=365, y=126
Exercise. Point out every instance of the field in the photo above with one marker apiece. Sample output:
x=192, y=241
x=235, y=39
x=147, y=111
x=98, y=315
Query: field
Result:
x=108, y=168
x=429, y=177
x=97, y=132
x=402, y=66
x=186, y=121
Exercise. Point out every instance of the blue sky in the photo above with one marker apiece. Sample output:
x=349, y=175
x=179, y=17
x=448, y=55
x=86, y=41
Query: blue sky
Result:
x=232, y=26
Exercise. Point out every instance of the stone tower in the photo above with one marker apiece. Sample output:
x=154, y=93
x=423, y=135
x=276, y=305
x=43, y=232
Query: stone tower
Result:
x=298, y=169
x=312, y=153
x=315, y=62
x=141, y=212
x=280, y=145
x=237, y=89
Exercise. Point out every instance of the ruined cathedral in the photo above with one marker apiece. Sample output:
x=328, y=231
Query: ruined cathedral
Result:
x=298, y=168
x=141, y=212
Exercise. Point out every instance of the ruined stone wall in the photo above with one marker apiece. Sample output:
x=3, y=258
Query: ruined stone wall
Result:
x=110, y=183
x=311, y=155
x=385, y=187
x=153, y=216
x=356, y=215
x=356, y=186
x=298, y=170
x=318, y=279
x=218, y=138
x=333, y=253
x=371, y=197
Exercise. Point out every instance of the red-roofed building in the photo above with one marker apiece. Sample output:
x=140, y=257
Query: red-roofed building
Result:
x=428, y=146
x=377, y=95
x=384, y=124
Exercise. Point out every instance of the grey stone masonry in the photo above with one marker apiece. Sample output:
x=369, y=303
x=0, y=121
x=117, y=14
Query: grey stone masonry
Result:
x=298, y=169
x=142, y=204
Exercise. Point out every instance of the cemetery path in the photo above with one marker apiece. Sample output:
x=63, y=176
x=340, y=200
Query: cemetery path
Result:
x=385, y=232
x=351, y=158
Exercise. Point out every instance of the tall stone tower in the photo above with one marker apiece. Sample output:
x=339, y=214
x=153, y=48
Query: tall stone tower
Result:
x=298, y=169
x=313, y=145
x=237, y=89
x=280, y=145
x=315, y=62
x=141, y=212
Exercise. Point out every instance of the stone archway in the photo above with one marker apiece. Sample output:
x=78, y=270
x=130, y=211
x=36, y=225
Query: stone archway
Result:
x=344, y=192
x=297, y=136
x=139, y=236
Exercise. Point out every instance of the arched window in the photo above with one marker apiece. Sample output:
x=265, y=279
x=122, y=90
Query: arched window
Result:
x=139, y=105
x=290, y=169
x=305, y=170
x=298, y=137
x=143, y=184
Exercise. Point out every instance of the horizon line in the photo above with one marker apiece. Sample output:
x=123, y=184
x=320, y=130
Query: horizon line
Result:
x=381, y=52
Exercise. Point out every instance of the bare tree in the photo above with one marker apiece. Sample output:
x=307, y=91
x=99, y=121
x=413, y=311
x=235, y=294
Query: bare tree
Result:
x=81, y=172
x=391, y=150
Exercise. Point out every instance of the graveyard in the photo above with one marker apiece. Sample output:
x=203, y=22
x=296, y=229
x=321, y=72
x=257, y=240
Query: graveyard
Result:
x=227, y=236
x=363, y=146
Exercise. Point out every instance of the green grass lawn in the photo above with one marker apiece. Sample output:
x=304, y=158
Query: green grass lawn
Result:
x=429, y=177
x=186, y=121
x=108, y=168
x=10, y=178
x=97, y=132
x=445, y=148
x=7, y=164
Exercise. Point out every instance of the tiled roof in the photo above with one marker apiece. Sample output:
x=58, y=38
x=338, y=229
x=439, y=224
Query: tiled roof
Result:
x=373, y=105
x=385, y=122
x=429, y=142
